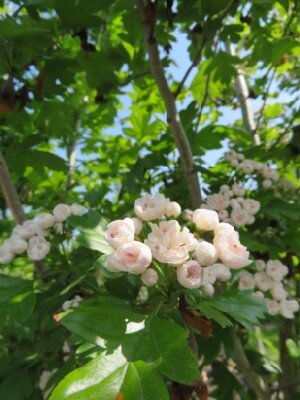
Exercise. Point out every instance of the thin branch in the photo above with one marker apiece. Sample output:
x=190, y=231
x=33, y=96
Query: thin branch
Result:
x=202, y=105
x=133, y=77
x=265, y=97
x=9, y=192
x=147, y=13
x=242, y=93
x=204, y=41
x=253, y=379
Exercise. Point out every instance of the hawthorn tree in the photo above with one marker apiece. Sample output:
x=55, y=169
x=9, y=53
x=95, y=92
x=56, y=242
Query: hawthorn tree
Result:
x=102, y=102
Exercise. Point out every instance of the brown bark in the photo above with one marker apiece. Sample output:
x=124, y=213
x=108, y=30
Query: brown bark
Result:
x=147, y=13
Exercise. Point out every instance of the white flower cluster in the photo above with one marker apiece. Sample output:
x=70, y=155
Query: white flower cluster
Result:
x=155, y=237
x=269, y=280
x=231, y=206
x=268, y=175
x=30, y=236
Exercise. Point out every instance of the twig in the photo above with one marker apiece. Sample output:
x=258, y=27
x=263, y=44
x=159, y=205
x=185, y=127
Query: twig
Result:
x=202, y=105
x=10, y=193
x=147, y=13
x=132, y=77
x=265, y=97
x=198, y=55
x=242, y=93
x=253, y=379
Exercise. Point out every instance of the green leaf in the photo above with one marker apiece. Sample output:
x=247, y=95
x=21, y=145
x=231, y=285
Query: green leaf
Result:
x=91, y=227
x=16, y=386
x=249, y=240
x=16, y=297
x=91, y=222
x=110, y=375
x=141, y=338
x=241, y=306
x=211, y=312
x=94, y=241
x=238, y=305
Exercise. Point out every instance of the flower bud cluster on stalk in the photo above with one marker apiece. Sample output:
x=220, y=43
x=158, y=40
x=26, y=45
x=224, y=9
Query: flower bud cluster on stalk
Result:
x=266, y=176
x=31, y=236
x=157, y=242
x=269, y=280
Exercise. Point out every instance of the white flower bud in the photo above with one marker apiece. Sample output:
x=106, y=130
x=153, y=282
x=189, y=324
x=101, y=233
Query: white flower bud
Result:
x=173, y=209
x=260, y=265
x=206, y=253
x=149, y=277
x=6, y=255
x=209, y=276
x=222, y=272
x=208, y=289
x=207, y=220
x=272, y=307
x=187, y=214
x=267, y=183
x=246, y=281
x=259, y=295
x=46, y=220
x=278, y=292
x=18, y=245
x=61, y=212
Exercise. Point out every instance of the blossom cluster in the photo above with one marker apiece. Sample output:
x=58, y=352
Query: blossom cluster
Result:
x=268, y=175
x=30, y=236
x=154, y=240
x=269, y=280
x=232, y=206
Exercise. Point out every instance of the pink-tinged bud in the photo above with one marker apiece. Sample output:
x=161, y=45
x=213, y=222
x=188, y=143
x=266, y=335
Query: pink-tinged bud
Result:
x=61, y=212
x=267, y=183
x=238, y=190
x=119, y=232
x=189, y=274
x=134, y=257
x=18, y=245
x=46, y=220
